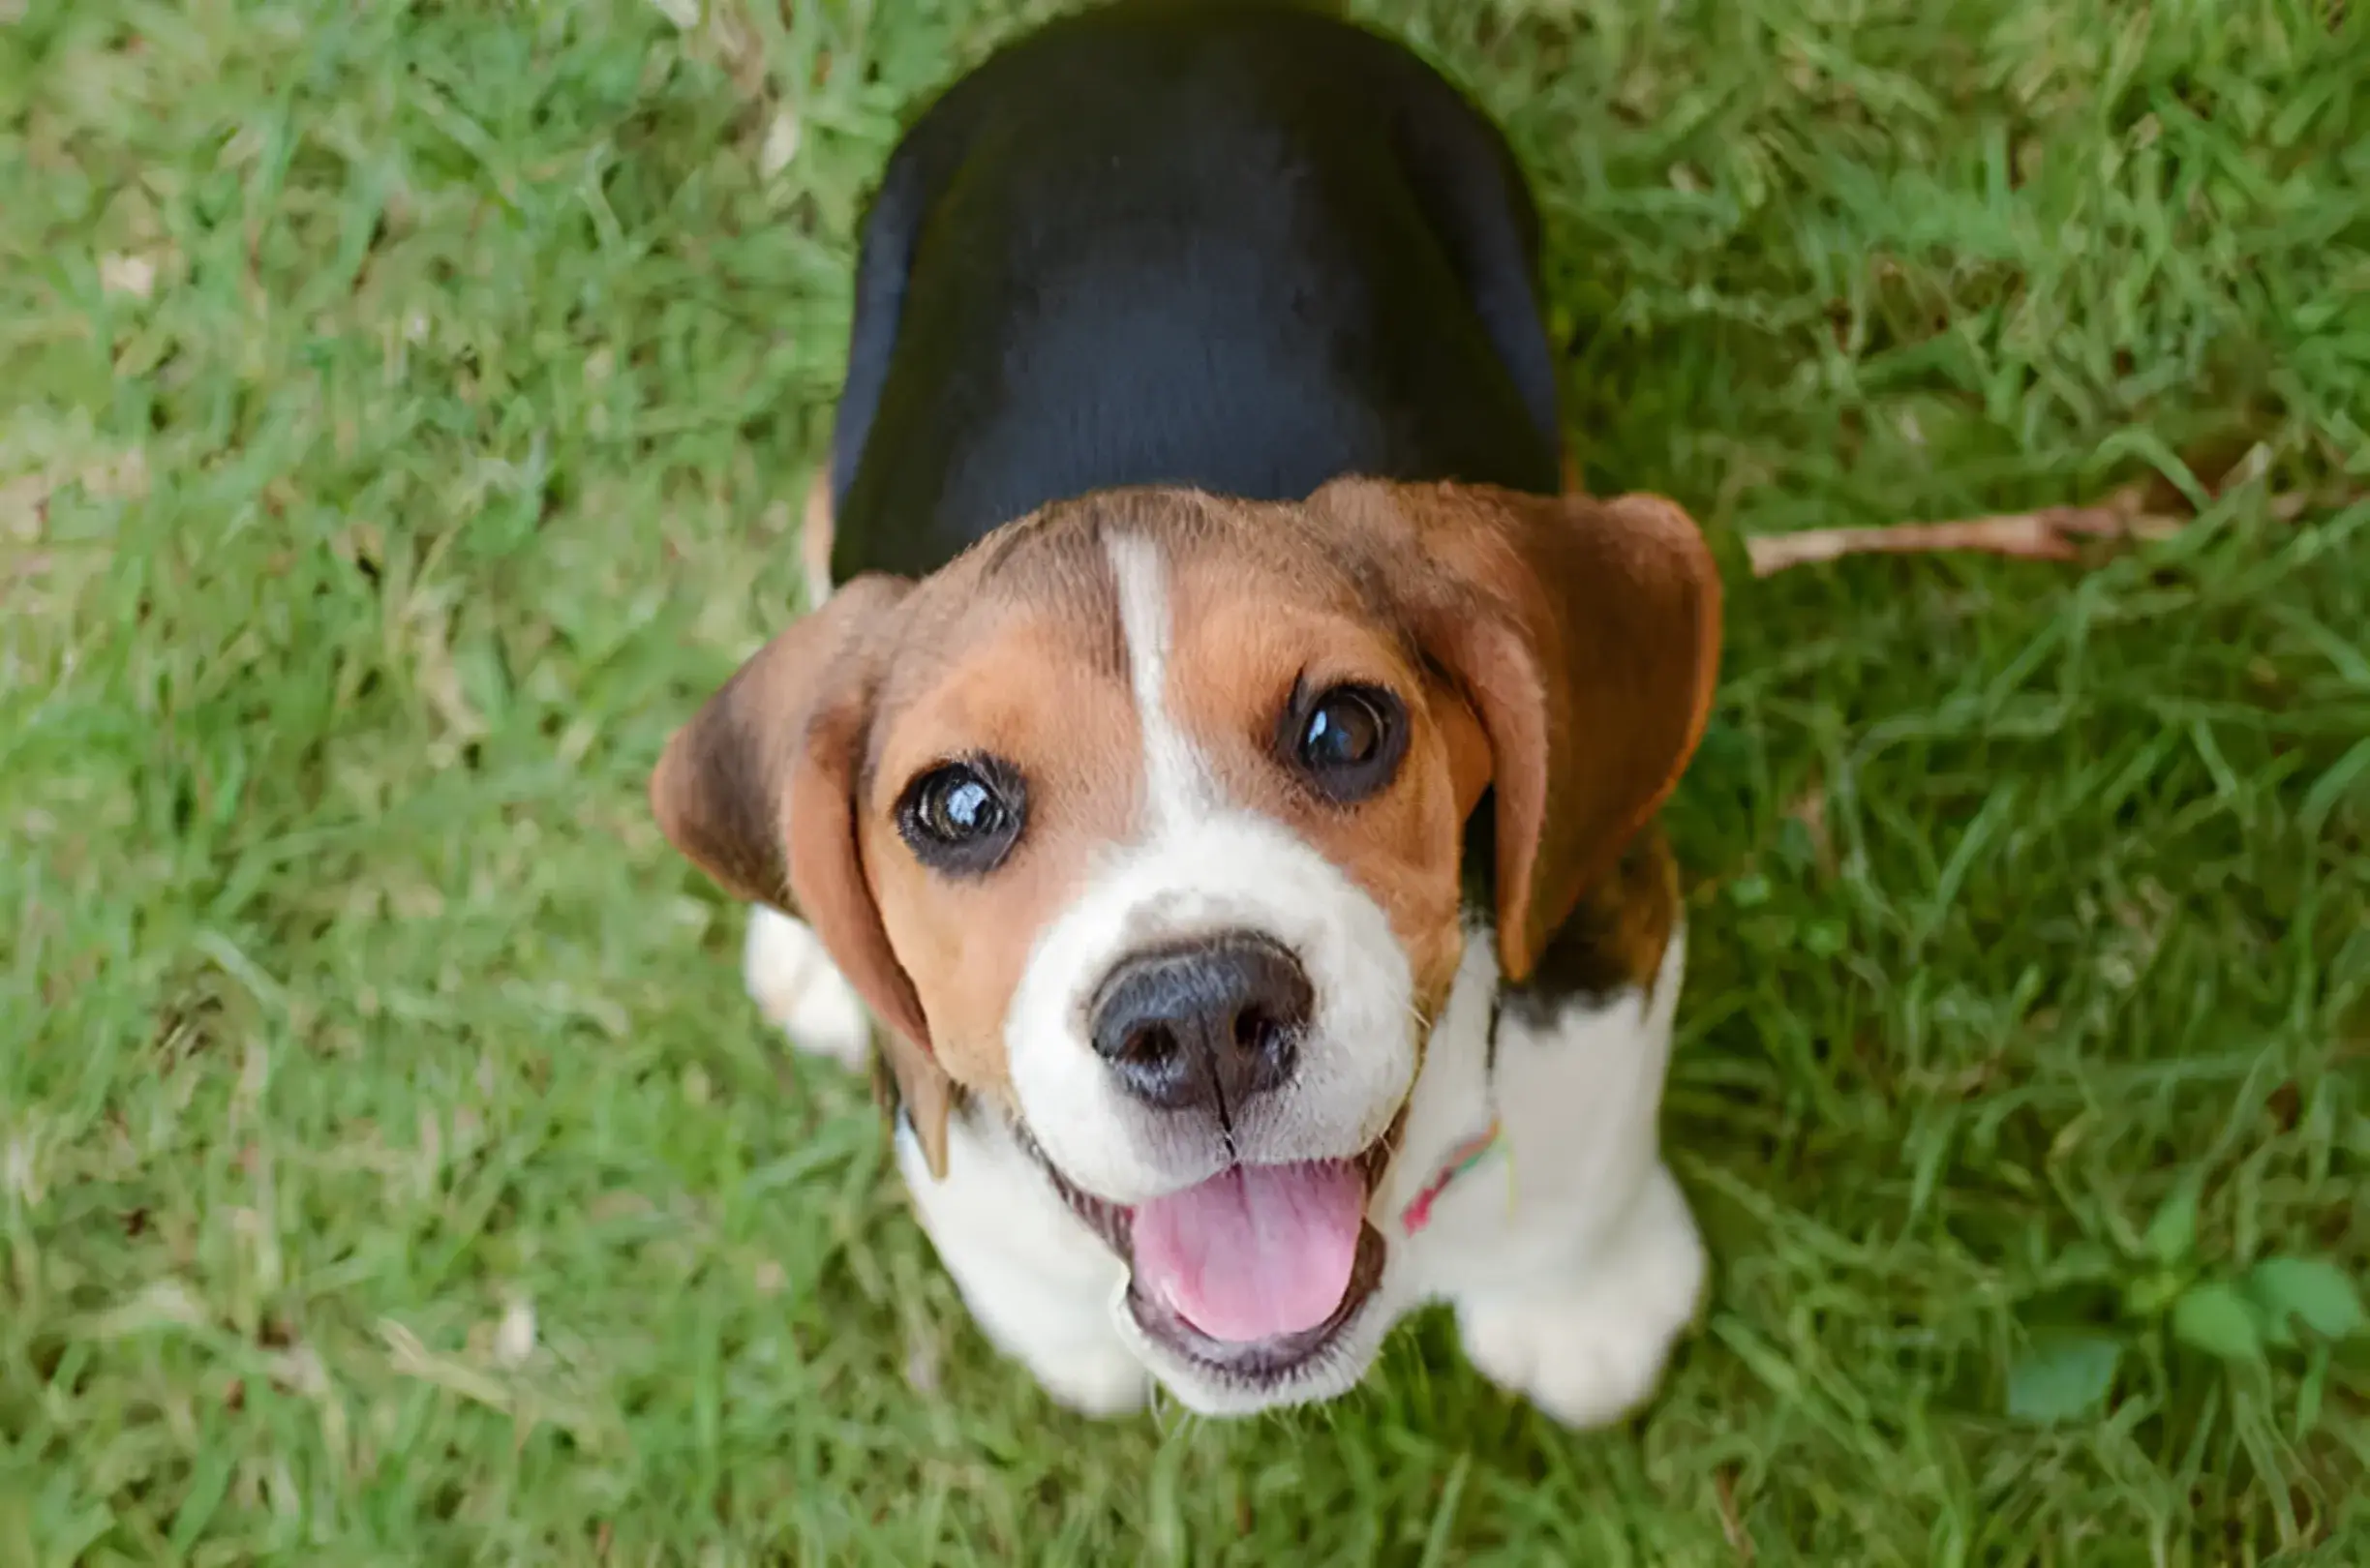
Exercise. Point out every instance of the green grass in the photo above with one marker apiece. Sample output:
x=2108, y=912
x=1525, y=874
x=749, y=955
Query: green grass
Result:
x=403, y=410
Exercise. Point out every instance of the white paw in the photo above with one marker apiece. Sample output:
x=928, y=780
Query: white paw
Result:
x=1590, y=1348
x=798, y=989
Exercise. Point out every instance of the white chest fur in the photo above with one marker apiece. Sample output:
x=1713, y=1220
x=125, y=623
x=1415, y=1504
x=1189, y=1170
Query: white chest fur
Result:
x=1574, y=1098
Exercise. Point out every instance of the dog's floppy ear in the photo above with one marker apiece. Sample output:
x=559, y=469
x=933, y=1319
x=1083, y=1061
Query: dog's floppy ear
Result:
x=759, y=791
x=1585, y=633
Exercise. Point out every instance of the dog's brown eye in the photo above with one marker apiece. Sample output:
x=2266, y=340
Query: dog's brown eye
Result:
x=1344, y=732
x=1347, y=741
x=962, y=818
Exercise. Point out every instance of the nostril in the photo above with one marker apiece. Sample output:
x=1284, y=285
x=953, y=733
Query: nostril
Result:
x=1152, y=1059
x=1150, y=1047
x=1264, y=1048
x=1257, y=1032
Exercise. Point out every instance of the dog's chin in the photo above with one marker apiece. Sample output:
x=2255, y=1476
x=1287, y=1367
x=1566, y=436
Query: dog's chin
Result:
x=1224, y=1376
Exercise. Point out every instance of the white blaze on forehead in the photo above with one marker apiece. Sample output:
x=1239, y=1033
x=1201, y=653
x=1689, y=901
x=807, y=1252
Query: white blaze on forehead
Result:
x=1177, y=784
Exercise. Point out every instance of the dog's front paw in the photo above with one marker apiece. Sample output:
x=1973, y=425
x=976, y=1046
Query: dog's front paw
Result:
x=1590, y=1347
x=799, y=989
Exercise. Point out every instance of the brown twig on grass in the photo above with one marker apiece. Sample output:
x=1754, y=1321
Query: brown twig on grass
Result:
x=2047, y=534
x=2044, y=534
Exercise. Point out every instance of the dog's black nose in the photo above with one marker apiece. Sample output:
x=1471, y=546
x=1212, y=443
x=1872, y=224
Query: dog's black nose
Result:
x=1206, y=1026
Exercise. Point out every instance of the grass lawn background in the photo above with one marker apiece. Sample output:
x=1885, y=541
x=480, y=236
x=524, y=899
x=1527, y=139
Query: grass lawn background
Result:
x=402, y=412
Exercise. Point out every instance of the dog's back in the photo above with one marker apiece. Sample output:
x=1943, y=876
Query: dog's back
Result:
x=1237, y=247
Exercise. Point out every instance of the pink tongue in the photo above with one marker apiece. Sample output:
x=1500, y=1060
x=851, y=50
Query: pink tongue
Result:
x=1254, y=1252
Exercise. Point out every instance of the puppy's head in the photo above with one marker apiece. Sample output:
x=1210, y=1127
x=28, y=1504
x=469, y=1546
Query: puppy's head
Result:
x=1143, y=822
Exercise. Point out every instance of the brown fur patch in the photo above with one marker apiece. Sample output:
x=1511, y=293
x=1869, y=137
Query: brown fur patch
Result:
x=1257, y=610
x=1023, y=682
x=1586, y=635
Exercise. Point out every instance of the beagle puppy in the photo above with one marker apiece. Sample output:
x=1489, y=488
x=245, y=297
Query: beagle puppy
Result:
x=1226, y=766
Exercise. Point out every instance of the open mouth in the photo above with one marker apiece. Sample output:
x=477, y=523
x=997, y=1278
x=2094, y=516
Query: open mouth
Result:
x=1254, y=1273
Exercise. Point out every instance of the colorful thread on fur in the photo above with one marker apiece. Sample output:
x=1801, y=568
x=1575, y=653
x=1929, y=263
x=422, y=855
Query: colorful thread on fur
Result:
x=1460, y=1158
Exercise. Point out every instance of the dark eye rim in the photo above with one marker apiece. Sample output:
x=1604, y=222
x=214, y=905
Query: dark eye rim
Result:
x=1361, y=782
x=981, y=853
